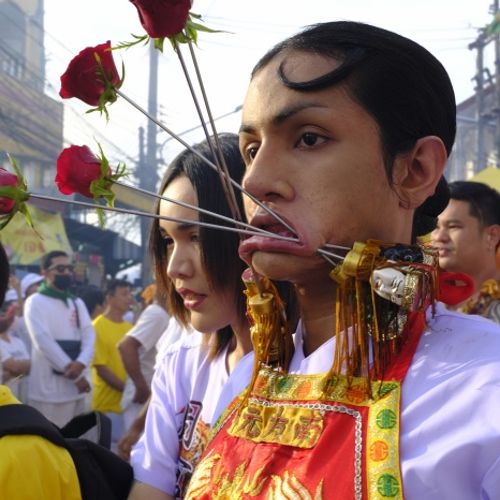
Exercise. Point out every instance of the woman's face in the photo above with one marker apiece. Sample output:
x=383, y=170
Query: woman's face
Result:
x=209, y=309
x=315, y=158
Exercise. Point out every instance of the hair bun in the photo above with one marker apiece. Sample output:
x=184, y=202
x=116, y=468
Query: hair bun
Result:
x=436, y=203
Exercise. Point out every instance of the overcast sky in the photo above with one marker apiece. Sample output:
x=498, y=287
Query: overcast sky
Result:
x=445, y=27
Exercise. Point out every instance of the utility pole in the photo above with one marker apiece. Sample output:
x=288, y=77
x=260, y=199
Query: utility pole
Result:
x=496, y=107
x=148, y=173
x=479, y=44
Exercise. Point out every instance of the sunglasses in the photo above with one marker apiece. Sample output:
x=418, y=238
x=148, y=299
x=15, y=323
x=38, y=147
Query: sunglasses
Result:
x=60, y=268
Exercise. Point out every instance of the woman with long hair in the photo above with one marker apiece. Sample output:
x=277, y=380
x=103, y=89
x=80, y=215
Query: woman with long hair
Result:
x=199, y=272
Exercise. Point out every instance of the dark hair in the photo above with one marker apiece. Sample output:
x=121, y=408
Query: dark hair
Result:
x=4, y=274
x=219, y=248
x=484, y=201
x=47, y=258
x=113, y=284
x=399, y=83
x=92, y=296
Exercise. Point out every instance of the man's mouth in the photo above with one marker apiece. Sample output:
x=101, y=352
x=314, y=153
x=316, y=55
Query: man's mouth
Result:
x=267, y=243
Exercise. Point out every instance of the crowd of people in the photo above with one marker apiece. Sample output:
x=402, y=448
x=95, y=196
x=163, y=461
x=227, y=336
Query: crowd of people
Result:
x=388, y=385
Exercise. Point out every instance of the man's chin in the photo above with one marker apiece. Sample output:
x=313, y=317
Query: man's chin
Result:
x=284, y=266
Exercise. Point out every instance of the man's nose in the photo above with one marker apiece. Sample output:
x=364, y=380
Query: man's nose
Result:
x=265, y=178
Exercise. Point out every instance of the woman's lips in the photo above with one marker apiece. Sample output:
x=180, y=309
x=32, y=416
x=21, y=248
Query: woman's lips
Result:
x=191, y=299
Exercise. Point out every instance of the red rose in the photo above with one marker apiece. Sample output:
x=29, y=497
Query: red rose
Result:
x=87, y=79
x=7, y=179
x=77, y=168
x=163, y=18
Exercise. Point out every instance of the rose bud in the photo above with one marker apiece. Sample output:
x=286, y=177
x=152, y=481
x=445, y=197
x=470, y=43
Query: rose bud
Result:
x=77, y=168
x=91, y=76
x=163, y=18
x=7, y=179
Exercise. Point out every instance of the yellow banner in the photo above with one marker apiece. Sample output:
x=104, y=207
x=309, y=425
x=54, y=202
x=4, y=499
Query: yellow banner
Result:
x=25, y=246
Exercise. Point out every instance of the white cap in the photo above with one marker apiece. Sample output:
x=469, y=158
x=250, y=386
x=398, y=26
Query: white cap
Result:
x=28, y=280
x=11, y=295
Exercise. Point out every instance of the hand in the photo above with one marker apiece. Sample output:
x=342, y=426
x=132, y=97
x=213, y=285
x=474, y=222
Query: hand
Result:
x=82, y=385
x=73, y=370
x=141, y=395
x=125, y=444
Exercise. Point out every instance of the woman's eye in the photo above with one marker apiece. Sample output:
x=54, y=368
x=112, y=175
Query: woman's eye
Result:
x=167, y=240
x=195, y=238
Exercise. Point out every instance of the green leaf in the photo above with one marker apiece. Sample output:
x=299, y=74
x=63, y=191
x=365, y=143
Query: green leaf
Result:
x=126, y=45
x=158, y=43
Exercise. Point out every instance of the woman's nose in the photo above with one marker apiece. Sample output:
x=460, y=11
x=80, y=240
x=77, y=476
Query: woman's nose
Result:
x=179, y=264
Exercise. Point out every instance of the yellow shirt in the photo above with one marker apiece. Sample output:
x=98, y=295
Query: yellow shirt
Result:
x=33, y=468
x=108, y=334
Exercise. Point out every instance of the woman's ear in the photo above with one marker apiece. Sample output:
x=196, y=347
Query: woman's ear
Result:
x=416, y=173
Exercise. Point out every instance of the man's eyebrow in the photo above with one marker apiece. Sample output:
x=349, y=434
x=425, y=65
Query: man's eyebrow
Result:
x=284, y=115
x=451, y=221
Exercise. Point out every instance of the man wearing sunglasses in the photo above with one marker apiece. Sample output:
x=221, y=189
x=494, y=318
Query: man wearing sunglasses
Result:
x=63, y=343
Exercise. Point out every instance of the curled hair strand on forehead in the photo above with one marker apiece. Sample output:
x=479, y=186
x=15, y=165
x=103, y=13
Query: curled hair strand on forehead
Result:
x=351, y=59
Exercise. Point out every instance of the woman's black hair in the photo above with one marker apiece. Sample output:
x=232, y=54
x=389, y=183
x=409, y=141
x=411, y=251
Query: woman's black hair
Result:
x=4, y=274
x=402, y=85
x=219, y=248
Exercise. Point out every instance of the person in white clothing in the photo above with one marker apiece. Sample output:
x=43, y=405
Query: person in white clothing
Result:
x=346, y=130
x=63, y=343
x=138, y=352
x=200, y=270
x=14, y=357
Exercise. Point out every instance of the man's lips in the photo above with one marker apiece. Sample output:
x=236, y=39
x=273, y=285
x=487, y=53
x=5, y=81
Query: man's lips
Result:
x=266, y=243
x=442, y=252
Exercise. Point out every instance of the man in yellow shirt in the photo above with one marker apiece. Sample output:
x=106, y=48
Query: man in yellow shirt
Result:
x=108, y=372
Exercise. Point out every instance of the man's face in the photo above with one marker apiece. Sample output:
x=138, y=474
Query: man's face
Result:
x=460, y=239
x=121, y=300
x=315, y=158
x=7, y=315
x=59, y=266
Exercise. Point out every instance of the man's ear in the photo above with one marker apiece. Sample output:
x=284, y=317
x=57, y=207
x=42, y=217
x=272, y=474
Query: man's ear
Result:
x=416, y=173
x=493, y=235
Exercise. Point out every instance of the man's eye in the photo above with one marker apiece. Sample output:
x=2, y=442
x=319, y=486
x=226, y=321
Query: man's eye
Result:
x=251, y=152
x=310, y=139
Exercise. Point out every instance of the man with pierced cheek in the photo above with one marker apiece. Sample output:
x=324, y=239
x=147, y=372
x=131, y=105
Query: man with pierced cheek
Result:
x=346, y=129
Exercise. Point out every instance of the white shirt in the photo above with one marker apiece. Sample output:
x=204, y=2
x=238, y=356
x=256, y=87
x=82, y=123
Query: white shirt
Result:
x=450, y=423
x=147, y=331
x=49, y=319
x=185, y=389
x=13, y=348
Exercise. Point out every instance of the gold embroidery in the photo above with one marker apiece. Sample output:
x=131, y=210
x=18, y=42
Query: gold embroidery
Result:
x=288, y=425
x=241, y=485
x=291, y=487
x=279, y=386
x=382, y=445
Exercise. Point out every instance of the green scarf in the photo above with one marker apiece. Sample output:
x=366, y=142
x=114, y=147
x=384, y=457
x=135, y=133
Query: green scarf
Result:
x=49, y=291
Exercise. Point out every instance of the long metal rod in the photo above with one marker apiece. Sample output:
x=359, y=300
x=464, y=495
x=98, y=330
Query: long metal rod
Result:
x=153, y=216
x=254, y=229
x=216, y=153
x=222, y=160
x=199, y=155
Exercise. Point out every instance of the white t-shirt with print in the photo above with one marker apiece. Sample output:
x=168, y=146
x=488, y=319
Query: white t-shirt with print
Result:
x=185, y=390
